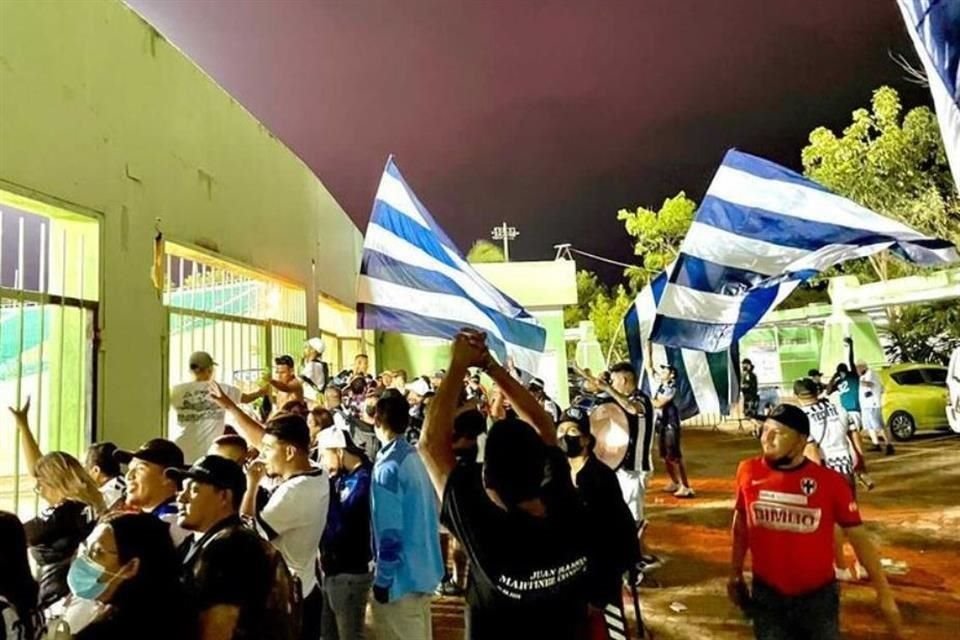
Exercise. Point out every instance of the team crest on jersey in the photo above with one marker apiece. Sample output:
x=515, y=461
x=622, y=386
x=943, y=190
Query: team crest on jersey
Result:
x=808, y=486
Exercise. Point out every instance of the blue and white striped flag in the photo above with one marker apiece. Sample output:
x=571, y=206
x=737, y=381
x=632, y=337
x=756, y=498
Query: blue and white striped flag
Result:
x=414, y=280
x=707, y=383
x=760, y=231
x=934, y=27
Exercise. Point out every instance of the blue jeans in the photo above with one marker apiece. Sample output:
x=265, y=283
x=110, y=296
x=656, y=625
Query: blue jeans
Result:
x=810, y=616
x=345, y=598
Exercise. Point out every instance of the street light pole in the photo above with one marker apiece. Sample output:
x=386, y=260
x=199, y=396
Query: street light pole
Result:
x=505, y=233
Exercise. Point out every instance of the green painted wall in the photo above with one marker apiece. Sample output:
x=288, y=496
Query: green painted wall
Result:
x=100, y=114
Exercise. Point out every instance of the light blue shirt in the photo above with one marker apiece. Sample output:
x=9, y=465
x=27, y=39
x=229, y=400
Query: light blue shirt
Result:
x=405, y=523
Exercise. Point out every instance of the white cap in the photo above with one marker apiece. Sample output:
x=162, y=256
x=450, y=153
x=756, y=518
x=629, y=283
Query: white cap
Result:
x=419, y=387
x=317, y=345
x=333, y=438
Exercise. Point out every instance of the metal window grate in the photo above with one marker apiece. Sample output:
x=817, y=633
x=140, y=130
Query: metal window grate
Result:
x=49, y=285
x=242, y=317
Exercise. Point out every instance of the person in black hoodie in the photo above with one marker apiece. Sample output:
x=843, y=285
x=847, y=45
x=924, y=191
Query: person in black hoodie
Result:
x=129, y=564
x=614, y=546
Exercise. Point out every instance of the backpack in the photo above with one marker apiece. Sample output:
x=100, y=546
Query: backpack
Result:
x=283, y=610
x=283, y=613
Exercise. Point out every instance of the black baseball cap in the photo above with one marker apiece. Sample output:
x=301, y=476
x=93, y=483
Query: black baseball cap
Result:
x=791, y=416
x=578, y=416
x=218, y=471
x=805, y=387
x=157, y=451
x=814, y=372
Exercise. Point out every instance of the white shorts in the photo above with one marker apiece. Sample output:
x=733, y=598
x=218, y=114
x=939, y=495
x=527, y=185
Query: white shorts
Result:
x=873, y=419
x=852, y=419
x=633, y=485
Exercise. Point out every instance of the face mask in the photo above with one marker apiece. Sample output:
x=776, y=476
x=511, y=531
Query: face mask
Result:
x=84, y=578
x=572, y=446
x=467, y=454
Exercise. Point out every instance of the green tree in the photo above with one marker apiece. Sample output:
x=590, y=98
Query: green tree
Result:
x=893, y=164
x=924, y=333
x=485, y=251
x=605, y=308
x=657, y=236
x=606, y=312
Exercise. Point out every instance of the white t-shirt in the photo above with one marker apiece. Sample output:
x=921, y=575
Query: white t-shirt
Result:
x=827, y=430
x=199, y=421
x=314, y=371
x=293, y=521
x=875, y=399
x=113, y=490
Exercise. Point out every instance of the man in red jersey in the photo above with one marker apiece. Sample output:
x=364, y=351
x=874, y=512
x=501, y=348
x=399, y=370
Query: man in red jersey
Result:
x=786, y=509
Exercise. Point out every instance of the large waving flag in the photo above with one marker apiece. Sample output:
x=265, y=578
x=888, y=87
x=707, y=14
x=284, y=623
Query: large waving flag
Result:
x=760, y=231
x=414, y=280
x=707, y=383
x=934, y=27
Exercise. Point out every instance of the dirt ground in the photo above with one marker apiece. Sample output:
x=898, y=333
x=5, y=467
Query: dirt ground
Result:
x=913, y=514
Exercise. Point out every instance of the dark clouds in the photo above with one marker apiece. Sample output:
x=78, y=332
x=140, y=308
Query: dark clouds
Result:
x=550, y=115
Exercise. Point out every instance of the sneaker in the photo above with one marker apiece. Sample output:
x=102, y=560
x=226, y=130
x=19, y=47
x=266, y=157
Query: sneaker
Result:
x=449, y=589
x=843, y=575
x=684, y=492
x=889, y=450
x=866, y=481
x=861, y=572
x=673, y=487
x=648, y=562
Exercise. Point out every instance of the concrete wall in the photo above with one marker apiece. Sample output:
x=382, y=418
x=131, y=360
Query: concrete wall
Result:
x=100, y=114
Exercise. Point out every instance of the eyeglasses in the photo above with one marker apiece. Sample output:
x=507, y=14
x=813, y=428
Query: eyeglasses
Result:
x=94, y=552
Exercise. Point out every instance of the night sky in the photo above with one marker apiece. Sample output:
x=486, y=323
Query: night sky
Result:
x=550, y=115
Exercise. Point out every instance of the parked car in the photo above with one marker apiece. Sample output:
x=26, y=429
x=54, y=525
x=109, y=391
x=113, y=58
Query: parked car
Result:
x=915, y=397
x=953, y=384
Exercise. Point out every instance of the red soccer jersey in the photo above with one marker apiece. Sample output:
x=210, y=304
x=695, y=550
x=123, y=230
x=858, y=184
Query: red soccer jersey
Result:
x=790, y=516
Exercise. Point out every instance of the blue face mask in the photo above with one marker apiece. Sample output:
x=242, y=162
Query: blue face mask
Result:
x=84, y=578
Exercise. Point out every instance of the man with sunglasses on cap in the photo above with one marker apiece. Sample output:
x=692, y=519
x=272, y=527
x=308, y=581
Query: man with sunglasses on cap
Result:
x=199, y=421
x=148, y=488
x=225, y=568
x=345, y=549
x=786, y=509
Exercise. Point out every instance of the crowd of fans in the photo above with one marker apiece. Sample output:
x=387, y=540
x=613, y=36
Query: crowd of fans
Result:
x=290, y=511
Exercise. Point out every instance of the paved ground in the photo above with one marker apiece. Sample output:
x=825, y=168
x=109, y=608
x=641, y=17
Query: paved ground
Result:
x=914, y=514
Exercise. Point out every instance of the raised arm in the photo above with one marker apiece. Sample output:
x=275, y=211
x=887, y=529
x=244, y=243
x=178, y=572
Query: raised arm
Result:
x=251, y=430
x=527, y=407
x=294, y=386
x=851, y=361
x=31, y=451
x=436, y=439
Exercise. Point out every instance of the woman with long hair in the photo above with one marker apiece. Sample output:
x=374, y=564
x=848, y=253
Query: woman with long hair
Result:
x=129, y=564
x=19, y=616
x=73, y=504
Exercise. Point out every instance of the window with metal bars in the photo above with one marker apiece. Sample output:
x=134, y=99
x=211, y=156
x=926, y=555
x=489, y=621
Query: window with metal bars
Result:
x=241, y=317
x=49, y=292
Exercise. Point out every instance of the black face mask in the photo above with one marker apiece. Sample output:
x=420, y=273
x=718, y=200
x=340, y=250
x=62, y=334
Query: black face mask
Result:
x=572, y=446
x=467, y=455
